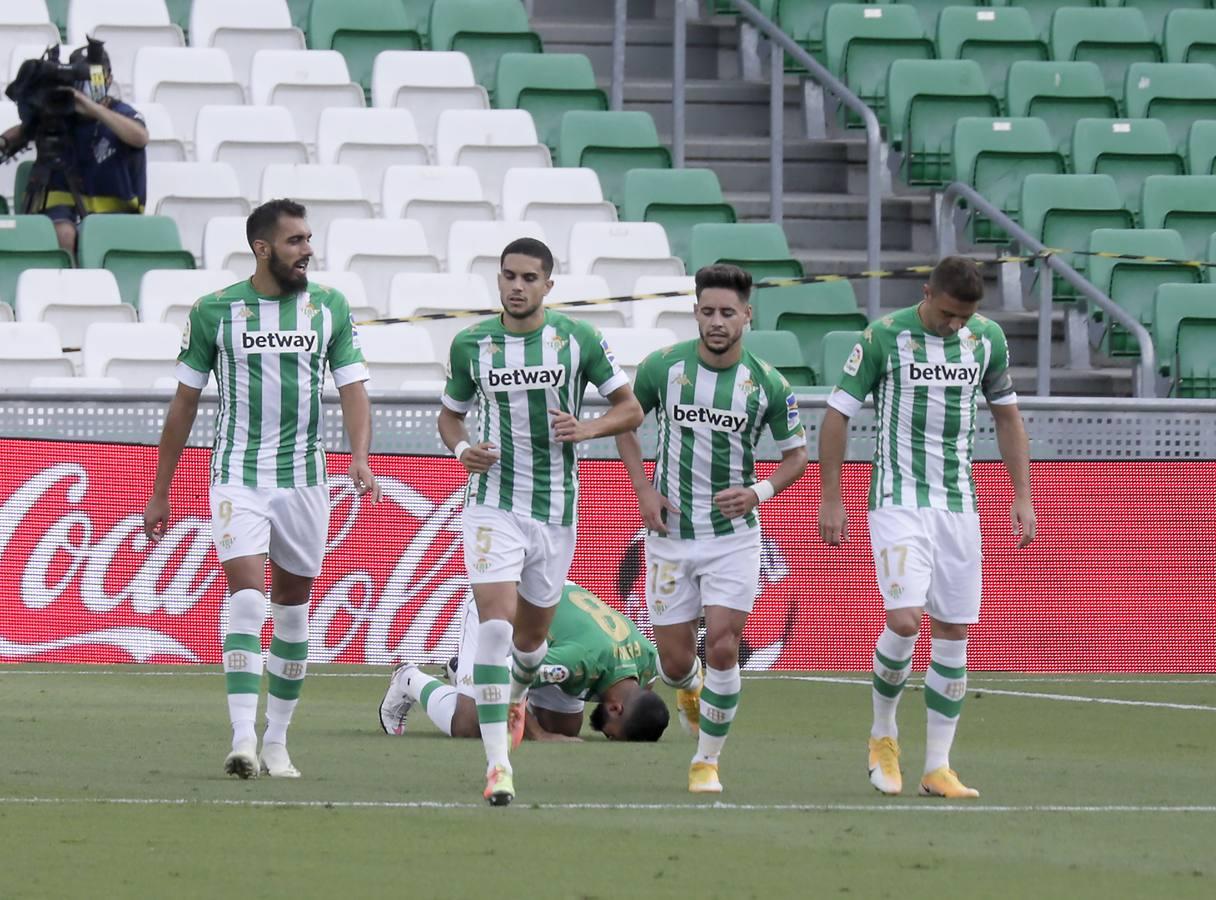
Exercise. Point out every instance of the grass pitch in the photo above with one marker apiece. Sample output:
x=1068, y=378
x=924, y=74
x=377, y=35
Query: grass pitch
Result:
x=111, y=786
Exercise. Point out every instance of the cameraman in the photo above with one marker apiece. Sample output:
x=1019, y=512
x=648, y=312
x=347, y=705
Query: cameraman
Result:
x=103, y=146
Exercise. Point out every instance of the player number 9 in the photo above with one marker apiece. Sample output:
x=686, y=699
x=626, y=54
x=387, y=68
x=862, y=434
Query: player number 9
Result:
x=225, y=510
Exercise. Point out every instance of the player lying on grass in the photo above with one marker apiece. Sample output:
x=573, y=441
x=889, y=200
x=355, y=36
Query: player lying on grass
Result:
x=595, y=653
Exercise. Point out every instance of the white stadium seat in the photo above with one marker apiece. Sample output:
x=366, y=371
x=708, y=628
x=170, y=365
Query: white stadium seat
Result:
x=24, y=24
x=477, y=246
x=166, y=295
x=226, y=247
x=28, y=350
x=75, y=383
x=556, y=198
x=491, y=141
x=242, y=29
x=6, y=312
x=125, y=26
x=192, y=193
x=674, y=313
x=164, y=143
x=371, y=140
x=137, y=354
x=588, y=287
x=378, y=249
x=185, y=79
x=328, y=192
x=435, y=197
x=350, y=286
x=632, y=345
x=426, y=82
x=621, y=251
x=8, y=172
x=249, y=138
x=415, y=295
x=305, y=82
x=395, y=353
x=71, y=300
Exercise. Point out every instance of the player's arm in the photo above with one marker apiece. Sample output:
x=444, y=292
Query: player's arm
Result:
x=624, y=414
x=651, y=504
x=785, y=424
x=548, y=725
x=357, y=419
x=458, y=394
x=180, y=419
x=860, y=374
x=1015, y=451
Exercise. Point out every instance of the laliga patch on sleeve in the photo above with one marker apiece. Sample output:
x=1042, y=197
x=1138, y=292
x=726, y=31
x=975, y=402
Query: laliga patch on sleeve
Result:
x=853, y=363
x=354, y=333
x=607, y=350
x=186, y=336
x=553, y=674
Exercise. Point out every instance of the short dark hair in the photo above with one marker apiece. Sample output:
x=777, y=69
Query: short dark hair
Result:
x=262, y=221
x=530, y=247
x=724, y=275
x=958, y=277
x=646, y=717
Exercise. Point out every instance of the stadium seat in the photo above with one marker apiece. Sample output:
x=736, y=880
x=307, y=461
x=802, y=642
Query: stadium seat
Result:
x=1112, y=38
x=420, y=295
x=1173, y=305
x=8, y=172
x=995, y=156
x=360, y=29
x=1156, y=12
x=620, y=252
x=484, y=30
x=631, y=346
x=299, y=13
x=808, y=311
x=126, y=28
x=1201, y=149
x=1133, y=283
x=1041, y=11
x=1174, y=93
x=27, y=242
x=70, y=299
x=184, y=80
x=926, y=98
x=350, y=286
x=548, y=85
x=248, y=138
x=556, y=199
x=6, y=312
x=24, y=23
x=1064, y=210
x=164, y=143
x=863, y=41
x=395, y=353
x=137, y=354
x=74, y=383
x=166, y=295
x=491, y=141
x=369, y=140
x=427, y=84
x=612, y=143
x=129, y=246
x=1129, y=150
x=243, y=29
x=477, y=246
x=328, y=193
x=305, y=82
x=677, y=199
x=179, y=14
x=837, y=345
x=1184, y=203
x=780, y=350
x=29, y=350
x=803, y=21
x=673, y=313
x=377, y=249
x=1190, y=36
x=994, y=38
x=190, y=193
x=225, y=246
x=1059, y=93
x=758, y=247
x=435, y=197
x=588, y=287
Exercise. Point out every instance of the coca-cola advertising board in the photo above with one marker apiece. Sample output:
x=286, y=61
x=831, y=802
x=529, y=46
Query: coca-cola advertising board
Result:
x=1121, y=576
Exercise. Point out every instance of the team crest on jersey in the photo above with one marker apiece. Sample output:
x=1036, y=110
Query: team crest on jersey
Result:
x=681, y=379
x=309, y=311
x=558, y=343
x=914, y=345
x=186, y=335
x=853, y=363
x=748, y=387
x=968, y=343
x=868, y=334
x=888, y=321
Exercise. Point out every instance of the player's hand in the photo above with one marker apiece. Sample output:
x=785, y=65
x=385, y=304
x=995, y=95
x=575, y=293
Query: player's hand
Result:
x=365, y=482
x=652, y=505
x=156, y=518
x=736, y=501
x=478, y=459
x=568, y=429
x=833, y=522
x=1021, y=514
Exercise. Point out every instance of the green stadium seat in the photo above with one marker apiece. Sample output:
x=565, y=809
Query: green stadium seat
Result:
x=803, y=21
x=1201, y=149
x=1059, y=93
x=677, y=199
x=863, y=41
x=781, y=351
x=1195, y=366
x=179, y=15
x=927, y=98
x=1185, y=203
x=1176, y=93
x=1173, y=305
x=612, y=143
x=1190, y=36
x=1041, y=11
x=930, y=12
x=548, y=85
x=299, y=10
x=1129, y=150
x=809, y=312
x=483, y=30
x=758, y=247
x=994, y=38
x=1062, y=211
x=58, y=10
x=129, y=246
x=1156, y=12
x=27, y=242
x=1133, y=283
x=359, y=29
x=20, y=179
x=1112, y=38
x=837, y=345
x=995, y=156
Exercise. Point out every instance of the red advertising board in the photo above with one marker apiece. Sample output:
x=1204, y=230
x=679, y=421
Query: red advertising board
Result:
x=1122, y=577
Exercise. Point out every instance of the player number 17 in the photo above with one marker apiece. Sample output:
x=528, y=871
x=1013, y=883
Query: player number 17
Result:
x=900, y=551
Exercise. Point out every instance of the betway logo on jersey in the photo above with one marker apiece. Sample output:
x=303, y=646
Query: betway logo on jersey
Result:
x=279, y=341
x=943, y=374
x=691, y=416
x=527, y=378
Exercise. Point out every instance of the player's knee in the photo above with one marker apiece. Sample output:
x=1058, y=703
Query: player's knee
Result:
x=904, y=622
x=676, y=663
x=464, y=721
x=722, y=651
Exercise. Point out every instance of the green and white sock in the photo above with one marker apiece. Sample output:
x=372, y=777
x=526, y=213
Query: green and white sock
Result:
x=719, y=701
x=945, y=688
x=492, y=689
x=524, y=666
x=892, y=663
x=688, y=682
x=437, y=699
x=243, y=661
x=286, y=665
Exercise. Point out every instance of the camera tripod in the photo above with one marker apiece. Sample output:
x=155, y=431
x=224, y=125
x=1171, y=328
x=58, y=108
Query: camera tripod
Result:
x=49, y=158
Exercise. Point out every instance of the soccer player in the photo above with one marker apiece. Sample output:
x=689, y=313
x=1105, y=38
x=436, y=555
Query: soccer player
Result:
x=526, y=371
x=268, y=340
x=713, y=399
x=595, y=653
x=926, y=366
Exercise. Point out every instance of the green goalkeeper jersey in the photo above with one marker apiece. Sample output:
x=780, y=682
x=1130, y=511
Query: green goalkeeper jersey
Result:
x=925, y=390
x=514, y=380
x=269, y=355
x=709, y=423
x=592, y=647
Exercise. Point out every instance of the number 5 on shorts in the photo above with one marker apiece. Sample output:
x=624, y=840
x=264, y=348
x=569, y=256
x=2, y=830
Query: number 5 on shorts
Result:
x=484, y=539
x=663, y=578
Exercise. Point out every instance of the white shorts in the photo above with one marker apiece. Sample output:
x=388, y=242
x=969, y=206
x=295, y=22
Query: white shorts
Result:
x=289, y=524
x=504, y=546
x=929, y=558
x=682, y=576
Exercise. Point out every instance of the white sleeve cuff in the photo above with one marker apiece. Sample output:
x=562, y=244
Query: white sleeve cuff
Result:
x=345, y=375
x=456, y=406
x=192, y=377
x=844, y=403
x=618, y=380
x=793, y=442
x=1006, y=400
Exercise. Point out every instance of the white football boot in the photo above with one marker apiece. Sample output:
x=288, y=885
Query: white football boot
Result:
x=396, y=704
x=243, y=760
x=276, y=763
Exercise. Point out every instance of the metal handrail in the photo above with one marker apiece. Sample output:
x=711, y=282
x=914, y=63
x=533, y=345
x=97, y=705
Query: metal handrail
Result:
x=783, y=42
x=958, y=191
x=619, y=17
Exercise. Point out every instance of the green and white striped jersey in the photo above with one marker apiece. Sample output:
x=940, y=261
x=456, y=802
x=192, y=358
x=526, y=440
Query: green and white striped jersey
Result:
x=515, y=379
x=709, y=423
x=925, y=390
x=269, y=356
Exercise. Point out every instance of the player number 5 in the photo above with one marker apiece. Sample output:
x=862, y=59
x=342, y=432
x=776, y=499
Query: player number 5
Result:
x=485, y=537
